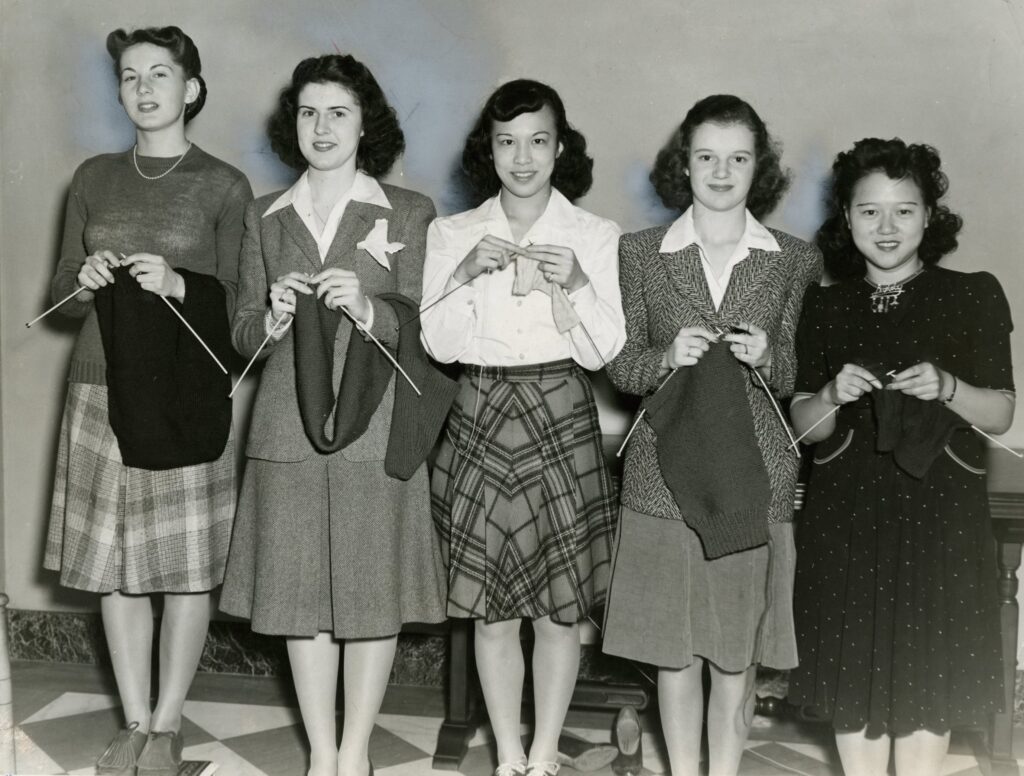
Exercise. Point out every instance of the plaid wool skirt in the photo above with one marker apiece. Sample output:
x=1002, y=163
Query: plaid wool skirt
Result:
x=116, y=527
x=521, y=496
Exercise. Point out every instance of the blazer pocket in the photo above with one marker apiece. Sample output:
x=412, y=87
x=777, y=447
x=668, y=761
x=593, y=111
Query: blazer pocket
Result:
x=826, y=455
x=962, y=463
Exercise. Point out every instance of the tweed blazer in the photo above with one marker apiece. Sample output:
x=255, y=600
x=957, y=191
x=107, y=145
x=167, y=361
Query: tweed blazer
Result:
x=663, y=292
x=279, y=243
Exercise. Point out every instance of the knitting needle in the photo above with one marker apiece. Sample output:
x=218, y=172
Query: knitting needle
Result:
x=73, y=294
x=778, y=410
x=436, y=301
x=383, y=349
x=993, y=439
x=273, y=331
x=642, y=413
x=593, y=344
x=818, y=422
x=195, y=334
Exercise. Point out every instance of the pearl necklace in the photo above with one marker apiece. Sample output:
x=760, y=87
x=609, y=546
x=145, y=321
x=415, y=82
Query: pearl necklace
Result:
x=135, y=161
x=887, y=295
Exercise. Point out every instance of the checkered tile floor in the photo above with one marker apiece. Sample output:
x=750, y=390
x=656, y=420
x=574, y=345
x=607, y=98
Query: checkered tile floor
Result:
x=65, y=716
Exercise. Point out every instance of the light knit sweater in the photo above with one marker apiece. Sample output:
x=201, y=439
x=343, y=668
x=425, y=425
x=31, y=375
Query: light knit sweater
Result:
x=663, y=292
x=192, y=217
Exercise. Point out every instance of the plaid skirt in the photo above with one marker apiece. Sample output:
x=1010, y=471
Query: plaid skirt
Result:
x=521, y=496
x=116, y=527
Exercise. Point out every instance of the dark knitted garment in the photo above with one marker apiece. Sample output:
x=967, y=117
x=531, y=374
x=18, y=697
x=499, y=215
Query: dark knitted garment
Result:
x=708, y=454
x=416, y=420
x=167, y=400
x=915, y=431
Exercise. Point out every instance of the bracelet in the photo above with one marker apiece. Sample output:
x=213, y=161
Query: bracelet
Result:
x=946, y=400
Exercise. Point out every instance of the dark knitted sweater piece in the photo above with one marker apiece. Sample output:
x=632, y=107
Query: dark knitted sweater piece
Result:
x=708, y=453
x=416, y=420
x=168, y=401
x=915, y=431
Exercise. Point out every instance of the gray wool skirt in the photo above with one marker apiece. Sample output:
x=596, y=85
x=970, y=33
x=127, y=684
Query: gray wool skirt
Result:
x=667, y=604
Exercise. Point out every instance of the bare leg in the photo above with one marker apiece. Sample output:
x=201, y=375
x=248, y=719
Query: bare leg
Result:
x=367, y=665
x=182, y=636
x=681, y=703
x=556, y=662
x=863, y=756
x=730, y=713
x=921, y=753
x=314, y=663
x=499, y=662
x=128, y=625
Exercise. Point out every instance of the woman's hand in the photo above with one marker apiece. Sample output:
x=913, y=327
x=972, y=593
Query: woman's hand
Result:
x=850, y=384
x=924, y=380
x=559, y=265
x=750, y=345
x=341, y=288
x=690, y=344
x=491, y=253
x=282, y=294
x=155, y=275
x=95, y=272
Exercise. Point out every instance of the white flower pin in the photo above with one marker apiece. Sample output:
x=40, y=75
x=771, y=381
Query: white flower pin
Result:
x=377, y=245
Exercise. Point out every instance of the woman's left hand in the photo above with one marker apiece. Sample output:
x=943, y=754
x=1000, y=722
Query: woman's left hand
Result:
x=750, y=346
x=154, y=274
x=559, y=265
x=341, y=288
x=922, y=380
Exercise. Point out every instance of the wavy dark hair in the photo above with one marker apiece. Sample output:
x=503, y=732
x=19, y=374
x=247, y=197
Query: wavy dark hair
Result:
x=182, y=50
x=670, y=178
x=573, y=173
x=920, y=163
x=382, y=142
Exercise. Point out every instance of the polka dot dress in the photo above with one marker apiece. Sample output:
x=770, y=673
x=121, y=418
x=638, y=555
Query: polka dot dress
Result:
x=895, y=601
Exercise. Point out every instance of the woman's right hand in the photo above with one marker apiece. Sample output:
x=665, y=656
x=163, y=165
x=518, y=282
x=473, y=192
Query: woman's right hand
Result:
x=690, y=344
x=491, y=253
x=850, y=384
x=95, y=272
x=282, y=294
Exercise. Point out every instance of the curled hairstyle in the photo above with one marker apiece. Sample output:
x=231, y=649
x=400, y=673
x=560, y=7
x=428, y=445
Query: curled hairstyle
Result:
x=573, y=173
x=180, y=46
x=918, y=162
x=670, y=178
x=382, y=141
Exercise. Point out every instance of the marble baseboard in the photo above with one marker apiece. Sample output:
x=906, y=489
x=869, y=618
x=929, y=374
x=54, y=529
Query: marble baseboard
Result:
x=232, y=648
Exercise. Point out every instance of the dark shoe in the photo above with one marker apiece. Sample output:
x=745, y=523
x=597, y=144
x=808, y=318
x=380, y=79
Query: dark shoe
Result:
x=123, y=752
x=582, y=755
x=162, y=755
x=630, y=760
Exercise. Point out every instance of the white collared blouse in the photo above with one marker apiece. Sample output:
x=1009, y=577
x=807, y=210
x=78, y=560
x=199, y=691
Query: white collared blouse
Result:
x=682, y=234
x=483, y=323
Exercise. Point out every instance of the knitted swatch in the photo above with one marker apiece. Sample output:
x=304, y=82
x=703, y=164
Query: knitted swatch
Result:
x=915, y=431
x=529, y=278
x=167, y=400
x=708, y=453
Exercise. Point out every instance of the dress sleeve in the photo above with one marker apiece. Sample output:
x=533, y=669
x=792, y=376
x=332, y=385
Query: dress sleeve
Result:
x=990, y=334
x=811, y=364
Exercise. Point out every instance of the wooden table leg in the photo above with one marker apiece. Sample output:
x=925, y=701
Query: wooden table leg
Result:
x=460, y=706
x=1001, y=733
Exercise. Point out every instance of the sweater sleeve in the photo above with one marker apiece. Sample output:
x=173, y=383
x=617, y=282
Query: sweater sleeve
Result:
x=806, y=271
x=230, y=227
x=73, y=252
x=637, y=367
x=408, y=264
x=247, y=330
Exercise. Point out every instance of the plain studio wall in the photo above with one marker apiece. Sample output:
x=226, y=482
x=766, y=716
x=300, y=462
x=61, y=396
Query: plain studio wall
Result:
x=822, y=75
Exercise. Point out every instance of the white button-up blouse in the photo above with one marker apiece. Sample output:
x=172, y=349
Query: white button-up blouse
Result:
x=483, y=323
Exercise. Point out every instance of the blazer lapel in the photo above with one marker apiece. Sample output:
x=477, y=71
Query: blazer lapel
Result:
x=684, y=271
x=751, y=278
x=355, y=225
x=300, y=235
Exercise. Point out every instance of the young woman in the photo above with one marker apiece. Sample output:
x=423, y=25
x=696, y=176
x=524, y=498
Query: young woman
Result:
x=896, y=604
x=167, y=216
x=704, y=563
x=525, y=293
x=330, y=547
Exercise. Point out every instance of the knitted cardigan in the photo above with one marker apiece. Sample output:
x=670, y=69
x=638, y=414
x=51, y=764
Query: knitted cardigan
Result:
x=663, y=292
